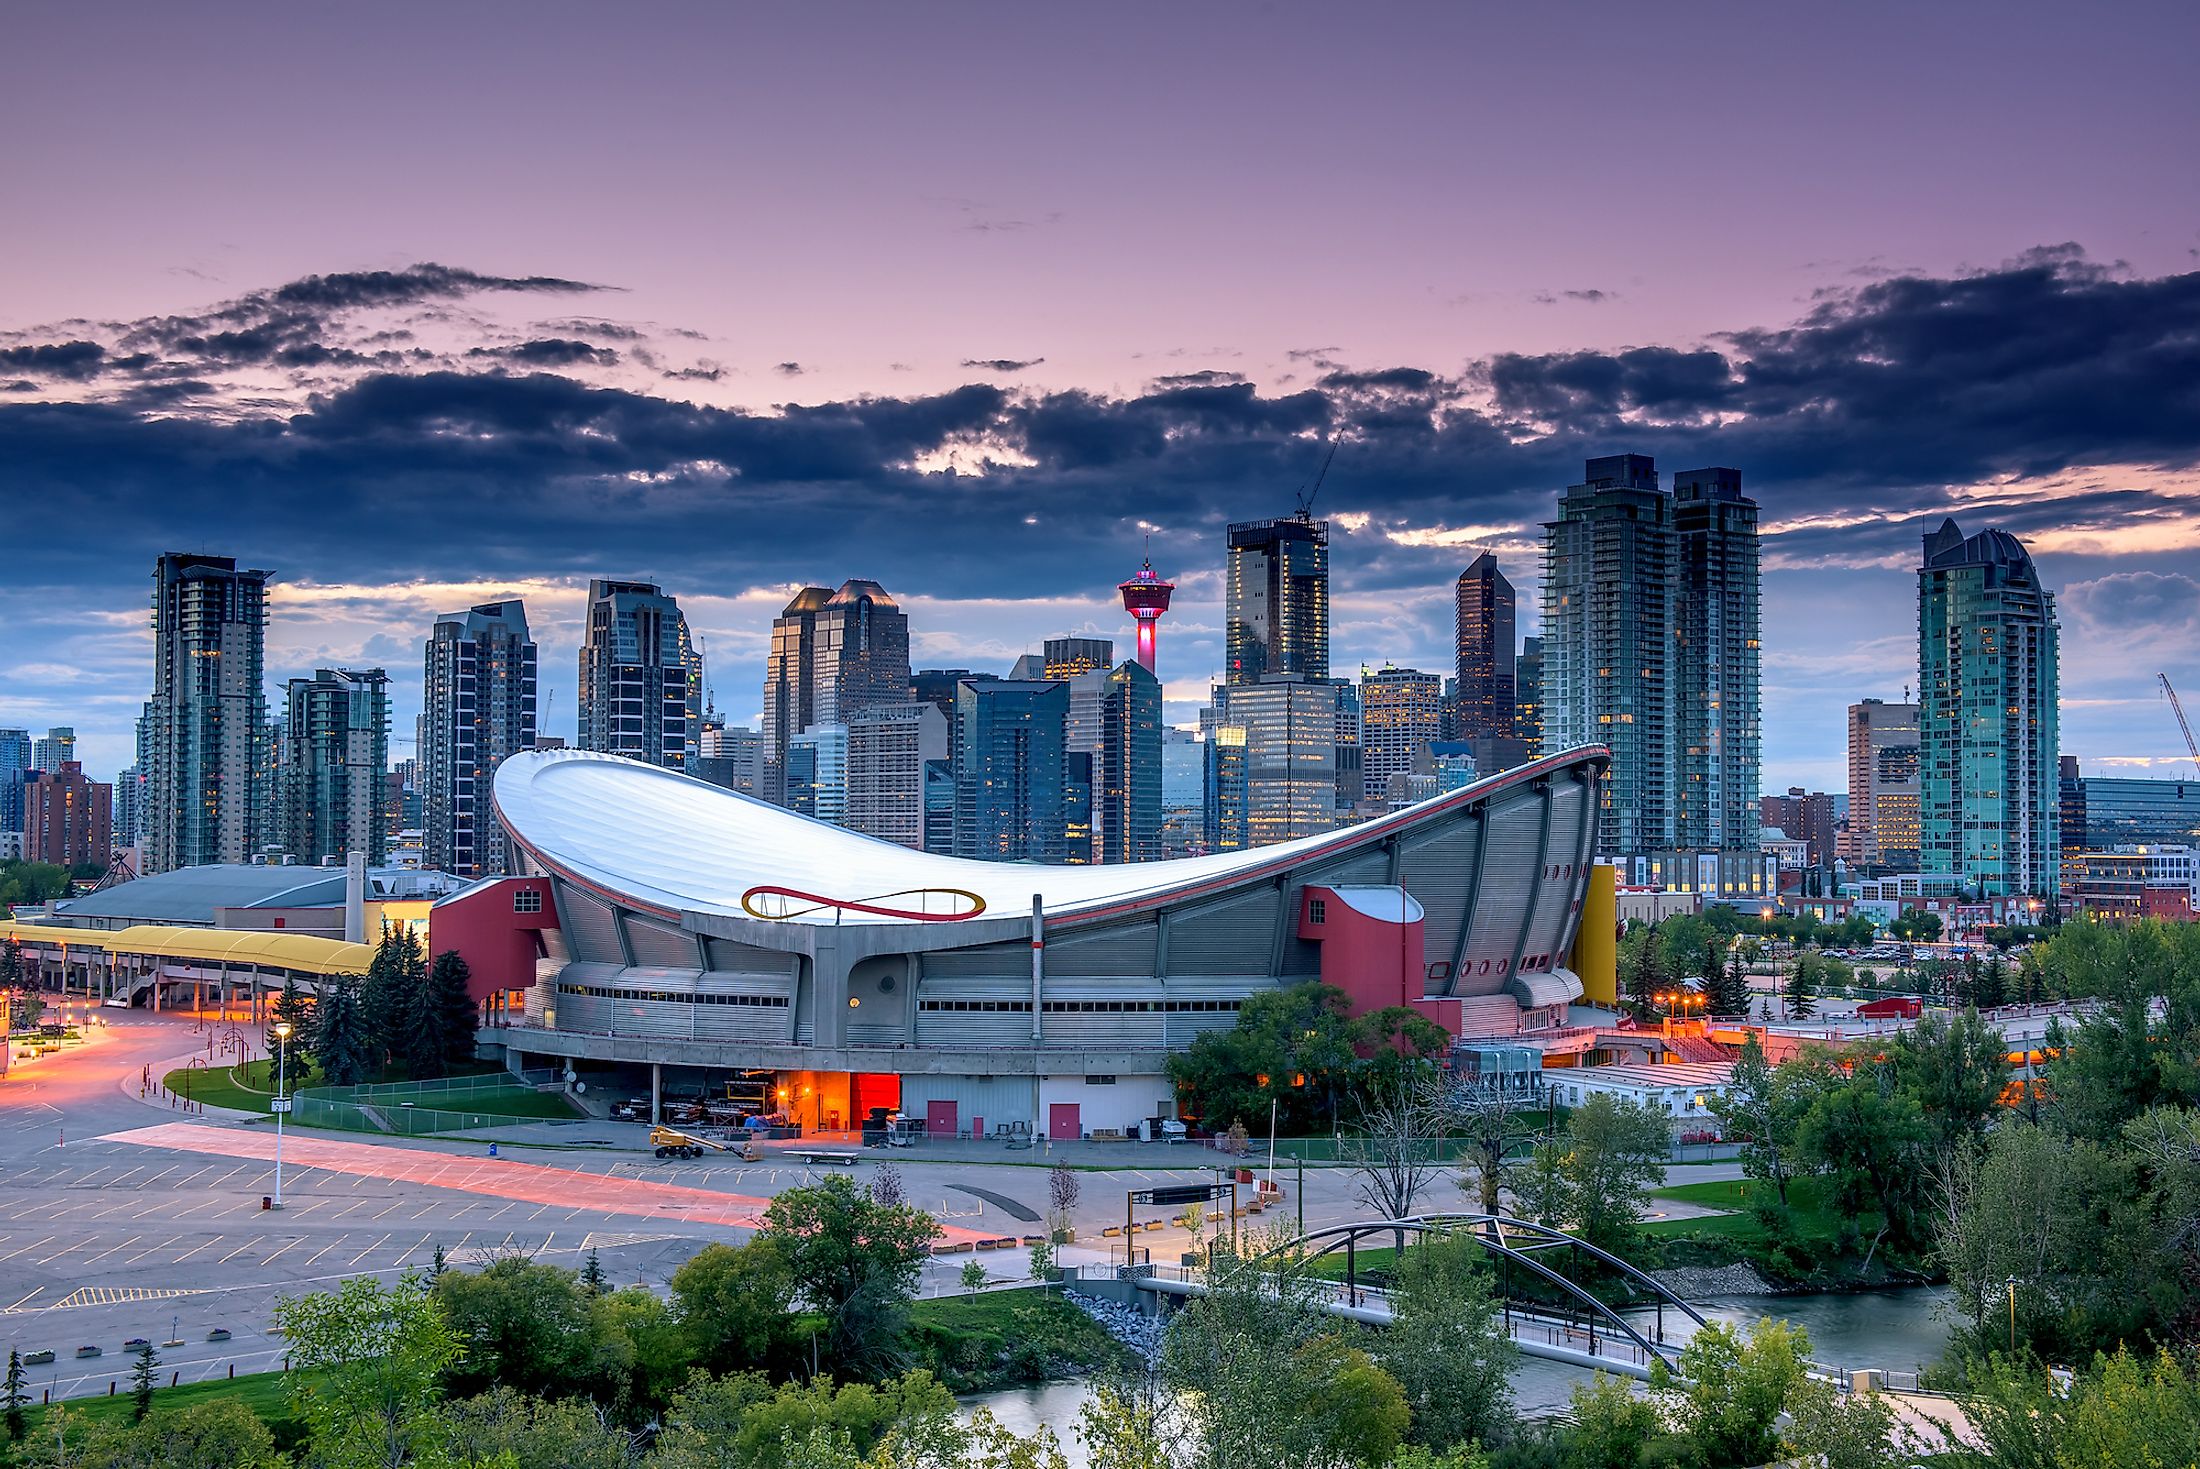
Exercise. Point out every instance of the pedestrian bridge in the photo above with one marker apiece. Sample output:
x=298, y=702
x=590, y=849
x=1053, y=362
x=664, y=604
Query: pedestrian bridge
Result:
x=1582, y=1332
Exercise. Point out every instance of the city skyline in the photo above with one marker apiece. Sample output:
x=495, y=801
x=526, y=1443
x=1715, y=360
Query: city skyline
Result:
x=402, y=400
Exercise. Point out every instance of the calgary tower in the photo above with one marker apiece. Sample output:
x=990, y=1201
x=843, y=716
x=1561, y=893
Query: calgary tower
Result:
x=1146, y=597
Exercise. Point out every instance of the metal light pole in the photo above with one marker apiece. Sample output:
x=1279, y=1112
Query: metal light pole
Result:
x=282, y=1100
x=2012, y=1316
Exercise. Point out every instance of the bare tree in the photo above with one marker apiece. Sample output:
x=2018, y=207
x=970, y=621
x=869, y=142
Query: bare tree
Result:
x=1490, y=1118
x=886, y=1186
x=1394, y=1151
x=1063, y=1191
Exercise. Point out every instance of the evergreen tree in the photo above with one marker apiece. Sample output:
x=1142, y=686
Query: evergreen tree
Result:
x=1802, y=988
x=1726, y=992
x=17, y=1399
x=343, y=1049
x=1646, y=977
x=592, y=1276
x=1993, y=985
x=382, y=998
x=141, y=1382
x=11, y=960
x=444, y=1034
x=291, y=1006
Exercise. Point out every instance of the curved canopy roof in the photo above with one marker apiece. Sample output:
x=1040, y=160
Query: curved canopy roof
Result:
x=657, y=839
x=304, y=952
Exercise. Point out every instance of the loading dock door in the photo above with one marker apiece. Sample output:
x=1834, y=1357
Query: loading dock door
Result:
x=939, y=1119
x=1064, y=1123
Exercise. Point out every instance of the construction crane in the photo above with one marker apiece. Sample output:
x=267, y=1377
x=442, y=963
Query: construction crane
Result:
x=2192, y=747
x=1306, y=497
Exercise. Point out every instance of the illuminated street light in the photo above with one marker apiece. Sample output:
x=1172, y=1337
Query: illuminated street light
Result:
x=282, y=1100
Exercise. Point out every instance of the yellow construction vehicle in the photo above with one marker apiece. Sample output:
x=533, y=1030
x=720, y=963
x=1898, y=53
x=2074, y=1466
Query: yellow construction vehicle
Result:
x=671, y=1143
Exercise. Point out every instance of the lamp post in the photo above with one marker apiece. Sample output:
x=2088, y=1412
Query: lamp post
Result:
x=282, y=1099
x=2012, y=1316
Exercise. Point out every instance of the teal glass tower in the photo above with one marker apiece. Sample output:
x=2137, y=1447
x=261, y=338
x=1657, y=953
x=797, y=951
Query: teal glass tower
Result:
x=1988, y=681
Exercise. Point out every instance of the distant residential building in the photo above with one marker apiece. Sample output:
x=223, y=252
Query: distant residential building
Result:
x=479, y=695
x=1277, y=600
x=2135, y=882
x=1488, y=690
x=205, y=749
x=15, y=763
x=1010, y=765
x=1079, y=783
x=1528, y=695
x=67, y=819
x=641, y=679
x=1351, y=749
x=129, y=808
x=56, y=749
x=1650, y=647
x=1988, y=691
x=336, y=751
x=1070, y=656
x=1401, y=713
x=889, y=749
x=1883, y=785
x=1803, y=816
x=732, y=757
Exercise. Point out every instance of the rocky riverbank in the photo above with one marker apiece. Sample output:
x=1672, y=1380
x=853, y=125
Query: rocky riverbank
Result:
x=1704, y=1282
x=1137, y=1331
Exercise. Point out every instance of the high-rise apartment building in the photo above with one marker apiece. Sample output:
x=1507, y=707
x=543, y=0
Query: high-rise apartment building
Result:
x=1650, y=647
x=1988, y=686
x=1068, y=657
x=890, y=747
x=335, y=762
x=1719, y=733
x=641, y=679
x=55, y=750
x=1488, y=690
x=1290, y=729
x=67, y=819
x=1010, y=764
x=1401, y=713
x=129, y=804
x=833, y=655
x=732, y=756
x=1277, y=600
x=1883, y=786
x=205, y=747
x=479, y=707
x=817, y=772
x=1222, y=749
x=1528, y=695
x=15, y=762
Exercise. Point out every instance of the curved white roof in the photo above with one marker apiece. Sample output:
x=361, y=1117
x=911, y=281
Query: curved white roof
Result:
x=659, y=839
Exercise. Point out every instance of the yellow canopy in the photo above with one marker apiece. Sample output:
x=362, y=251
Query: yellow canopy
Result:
x=306, y=953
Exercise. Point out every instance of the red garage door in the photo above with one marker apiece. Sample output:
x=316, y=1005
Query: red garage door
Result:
x=939, y=1119
x=1063, y=1123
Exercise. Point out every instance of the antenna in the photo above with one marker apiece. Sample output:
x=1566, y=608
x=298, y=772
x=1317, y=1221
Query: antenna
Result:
x=1306, y=497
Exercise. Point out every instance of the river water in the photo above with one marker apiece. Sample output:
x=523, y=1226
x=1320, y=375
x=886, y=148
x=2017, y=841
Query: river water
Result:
x=1898, y=1330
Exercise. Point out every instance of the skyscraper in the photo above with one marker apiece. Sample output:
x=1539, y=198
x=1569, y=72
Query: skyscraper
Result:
x=1290, y=730
x=129, y=808
x=1010, y=762
x=1483, y=623
x=479, y=698
x=817, y=772
x=833, y=655
x=1401, y=710
x=1718, y=738
x=205, y=725
x=1988, y=684
x=57, y=749
x=641, y=681
x=1608, y=572
x=1278, y=599
x=335, y=762
x=1125, y=747
x=1067, y=657
x=890, y=747
x=1650, y=647
x=1883, y=789
x=1528, y=695
x=15, y=760
x=788, y=685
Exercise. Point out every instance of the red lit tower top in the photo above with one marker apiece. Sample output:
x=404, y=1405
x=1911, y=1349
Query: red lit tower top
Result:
x=1146, y=597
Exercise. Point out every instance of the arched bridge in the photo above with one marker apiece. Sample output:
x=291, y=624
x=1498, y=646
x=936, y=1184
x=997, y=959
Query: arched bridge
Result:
x=1583, y=1330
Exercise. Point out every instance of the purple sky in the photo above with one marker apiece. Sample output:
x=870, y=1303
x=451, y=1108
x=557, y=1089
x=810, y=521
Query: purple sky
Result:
x=864, y=209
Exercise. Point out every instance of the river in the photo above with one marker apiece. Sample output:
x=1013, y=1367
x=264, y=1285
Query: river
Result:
x=1899, y=1330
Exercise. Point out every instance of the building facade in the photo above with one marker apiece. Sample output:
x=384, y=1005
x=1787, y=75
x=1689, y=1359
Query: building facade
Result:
x=55, y=749
x=479, y=695
x=1126, y=767
x=1277, y=600
x=1806, y=817
x=790, y=682
x=205, y=751
x=1718, y=731
x=1489, y=690
x=641, y=680
x=67, y=819
x=1011, y=749
x=335, y=764
x=15, y=763
x=889, y=749
x=1290, y=729
x=1883, y=785
x=1401, y=714
x=1528, y=696
x=1988, y=691
x=1067, y=657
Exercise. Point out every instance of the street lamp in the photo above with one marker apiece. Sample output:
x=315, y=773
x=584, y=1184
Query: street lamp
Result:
x=282, y=1100
x=2012, y=1316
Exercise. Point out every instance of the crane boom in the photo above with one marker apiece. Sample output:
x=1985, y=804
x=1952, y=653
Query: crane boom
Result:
x=2177, y=707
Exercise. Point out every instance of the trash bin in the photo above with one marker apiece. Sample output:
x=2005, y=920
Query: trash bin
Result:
x=266, y=1202
x=492, y=1150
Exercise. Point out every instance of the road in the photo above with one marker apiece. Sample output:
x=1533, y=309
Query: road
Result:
x=122, y=1217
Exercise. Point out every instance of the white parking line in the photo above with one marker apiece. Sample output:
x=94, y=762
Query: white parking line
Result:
x=34, y=1244
x=370, y=1249
x=103, y=1254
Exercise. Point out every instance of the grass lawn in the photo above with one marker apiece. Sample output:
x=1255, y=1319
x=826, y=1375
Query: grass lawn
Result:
x=1809, y=1207
x=248, y=1087
x=265, y=1393
x=1005, y=1336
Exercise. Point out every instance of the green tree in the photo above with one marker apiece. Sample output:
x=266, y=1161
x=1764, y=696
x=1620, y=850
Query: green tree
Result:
x=2123, y=1410
x=143, y=1380
x=1133, y=1423
x=855, y=1262
x=1802, y=987
x=15, y=1400
x=11, y=961
x=1614, y=1151
x=521, y=1325
x=1300, y=1051
x=221, y=1433
x=1730, y=1389
x=1609, y=1425
x=343, y=1047
x=742, y=1422
x=1956, y=1070
x=367, y=1372
x=1683, y=940
x=1446, y=1347
x=974, y=1277
x=1763, y=1108
x=592, y=1276
x=1725, y=990
x=568, y=1433
x=1873, y=1139
x=444, y=1036
x=734, y=1302
x=291, y=1006
x=641, y=1355
x=1643, y=974
x=1491, y=1121
x=1831, y=1430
